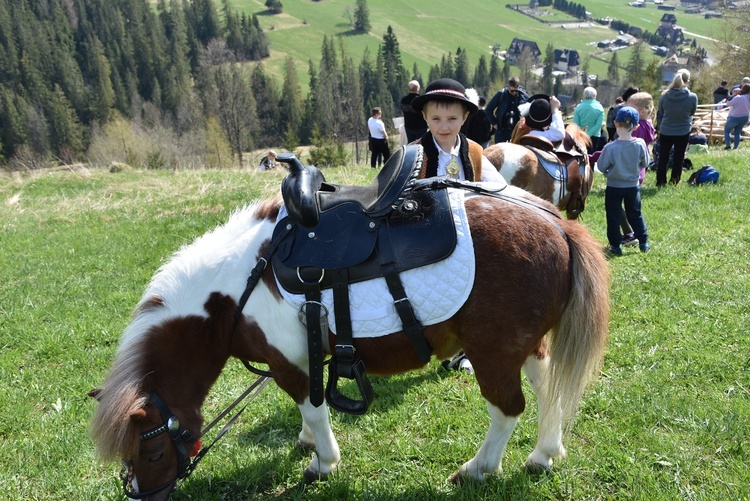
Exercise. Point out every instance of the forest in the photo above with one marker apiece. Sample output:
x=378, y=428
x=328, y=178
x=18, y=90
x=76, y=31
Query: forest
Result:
x=181, y=83
x=158, y=87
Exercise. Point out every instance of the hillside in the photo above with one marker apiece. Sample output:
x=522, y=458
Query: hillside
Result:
x=429, y=29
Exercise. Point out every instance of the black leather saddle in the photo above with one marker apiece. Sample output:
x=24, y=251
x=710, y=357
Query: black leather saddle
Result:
x=338, y=226
x=336, y=235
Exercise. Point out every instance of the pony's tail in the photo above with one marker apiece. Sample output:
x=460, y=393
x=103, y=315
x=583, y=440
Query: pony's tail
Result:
x=577, y=343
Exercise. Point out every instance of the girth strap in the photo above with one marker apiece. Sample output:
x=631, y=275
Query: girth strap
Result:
x=411, y=325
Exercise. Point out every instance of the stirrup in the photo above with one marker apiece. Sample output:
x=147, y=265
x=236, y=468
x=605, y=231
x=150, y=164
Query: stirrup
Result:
x=341, y=402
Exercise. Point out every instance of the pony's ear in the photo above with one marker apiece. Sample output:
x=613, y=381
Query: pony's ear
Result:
x=94, y=393
x=138, y=414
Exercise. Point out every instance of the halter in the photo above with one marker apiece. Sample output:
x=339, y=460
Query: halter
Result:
x=181, y=439
x=184, y=441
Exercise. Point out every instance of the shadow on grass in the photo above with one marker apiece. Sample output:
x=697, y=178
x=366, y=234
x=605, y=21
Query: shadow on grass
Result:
x=265, y=480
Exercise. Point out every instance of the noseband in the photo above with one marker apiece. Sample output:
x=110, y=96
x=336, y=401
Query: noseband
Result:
x=182, y=440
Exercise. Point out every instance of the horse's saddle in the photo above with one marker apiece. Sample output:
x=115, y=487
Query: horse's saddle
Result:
x=356, y=227
x=566, y=162
x=555, y=156
x=335, y=235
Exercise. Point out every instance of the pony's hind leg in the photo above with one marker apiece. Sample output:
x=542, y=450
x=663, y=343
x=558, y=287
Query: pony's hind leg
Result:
x=316, y=431
x=549, y=441
x=490, y=455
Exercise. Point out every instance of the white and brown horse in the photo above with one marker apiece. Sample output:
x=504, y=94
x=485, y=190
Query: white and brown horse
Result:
x=567, y=189
x=534, y=277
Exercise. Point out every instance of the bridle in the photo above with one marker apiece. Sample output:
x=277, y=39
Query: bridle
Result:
x=188, y=446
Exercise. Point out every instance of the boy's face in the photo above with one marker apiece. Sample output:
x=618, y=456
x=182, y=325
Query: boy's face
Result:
x=444, y=120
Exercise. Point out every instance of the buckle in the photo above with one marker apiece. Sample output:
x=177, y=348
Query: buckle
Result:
x=345, y=351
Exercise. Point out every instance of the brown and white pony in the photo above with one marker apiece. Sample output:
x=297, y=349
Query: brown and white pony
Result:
x=520, y=167
x=533, y=278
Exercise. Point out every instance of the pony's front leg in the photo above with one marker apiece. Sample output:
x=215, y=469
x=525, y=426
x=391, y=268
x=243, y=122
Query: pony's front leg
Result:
x=316, y=431
x=549, y=442
x=490, y=455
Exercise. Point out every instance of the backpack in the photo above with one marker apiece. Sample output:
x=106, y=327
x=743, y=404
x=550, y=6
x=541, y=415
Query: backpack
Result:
x=704, y=175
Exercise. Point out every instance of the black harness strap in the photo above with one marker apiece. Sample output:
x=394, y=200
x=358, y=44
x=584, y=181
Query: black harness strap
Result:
x=343, y=363
x=411, y=325
x=252, y=282
x=311, y=313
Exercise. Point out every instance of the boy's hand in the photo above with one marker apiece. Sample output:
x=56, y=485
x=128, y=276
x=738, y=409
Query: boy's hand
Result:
x=554, y=104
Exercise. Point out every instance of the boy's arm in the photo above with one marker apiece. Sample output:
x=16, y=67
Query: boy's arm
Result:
x=604, y=163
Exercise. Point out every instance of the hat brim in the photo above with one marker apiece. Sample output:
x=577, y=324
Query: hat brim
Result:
x=439, y=95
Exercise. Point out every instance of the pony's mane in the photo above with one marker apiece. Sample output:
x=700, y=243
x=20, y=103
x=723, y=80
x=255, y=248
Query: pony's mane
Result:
x=175, y=290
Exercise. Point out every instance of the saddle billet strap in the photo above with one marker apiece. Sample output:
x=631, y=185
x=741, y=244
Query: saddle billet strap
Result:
x=410, y=324
x=312, y=307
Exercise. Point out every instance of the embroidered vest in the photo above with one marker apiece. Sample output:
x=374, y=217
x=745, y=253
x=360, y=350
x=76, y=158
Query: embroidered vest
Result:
x=469, y=152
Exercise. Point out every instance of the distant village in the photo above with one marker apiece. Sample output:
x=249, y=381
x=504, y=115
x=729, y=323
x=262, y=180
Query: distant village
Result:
x=567, y=61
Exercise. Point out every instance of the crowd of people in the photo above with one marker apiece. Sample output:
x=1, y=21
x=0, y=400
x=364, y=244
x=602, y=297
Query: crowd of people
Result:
x=454, y=125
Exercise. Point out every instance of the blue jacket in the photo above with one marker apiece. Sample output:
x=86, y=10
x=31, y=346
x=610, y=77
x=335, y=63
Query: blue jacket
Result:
x=502, y=102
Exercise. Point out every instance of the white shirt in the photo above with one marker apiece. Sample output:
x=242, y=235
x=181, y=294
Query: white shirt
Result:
x=556, y=131
x=377, y=128
x=489, y=172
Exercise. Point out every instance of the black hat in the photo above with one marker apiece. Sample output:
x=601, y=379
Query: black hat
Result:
x=443, y=89
x=540, y=112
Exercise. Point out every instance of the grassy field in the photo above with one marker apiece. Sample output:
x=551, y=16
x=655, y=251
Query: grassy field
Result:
x=667, y=420
x=429, y=29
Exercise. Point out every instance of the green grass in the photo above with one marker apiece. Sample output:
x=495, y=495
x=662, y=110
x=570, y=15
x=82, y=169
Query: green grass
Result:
x=429, y=29
x=666, y=420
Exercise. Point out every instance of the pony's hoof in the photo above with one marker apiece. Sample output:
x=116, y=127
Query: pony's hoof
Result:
x=461, y=478
x=536, y=468
x=312, y=476
x=304, y=446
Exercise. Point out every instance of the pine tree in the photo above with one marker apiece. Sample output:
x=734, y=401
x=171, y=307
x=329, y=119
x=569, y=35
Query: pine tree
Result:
x=482, y=77
x=461, y=65
x=266, y=94
x=362, y=16
x=395, y=73
x=636, y=65
x=328, y=93
x=613, y=70
x=291, y=104
x=549, y=63
x=311, y=115
x=496, y=77
x=65, y=131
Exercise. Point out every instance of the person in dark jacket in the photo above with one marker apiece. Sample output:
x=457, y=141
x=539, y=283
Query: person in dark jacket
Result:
x=677, y=106
x=502, y=110
x=414, y=124
x=477, y=127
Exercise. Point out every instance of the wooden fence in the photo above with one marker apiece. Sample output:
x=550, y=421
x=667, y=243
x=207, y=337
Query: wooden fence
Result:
x=711, y=122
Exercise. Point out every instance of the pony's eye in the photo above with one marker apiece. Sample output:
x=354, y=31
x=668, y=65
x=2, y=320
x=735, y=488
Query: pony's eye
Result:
x=157, y=457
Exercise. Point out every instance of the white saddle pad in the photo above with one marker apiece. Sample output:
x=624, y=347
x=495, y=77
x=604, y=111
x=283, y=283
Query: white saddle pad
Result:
x=436, y=291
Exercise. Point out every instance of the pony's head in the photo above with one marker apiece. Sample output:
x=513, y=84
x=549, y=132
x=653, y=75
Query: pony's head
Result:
x=148, y=413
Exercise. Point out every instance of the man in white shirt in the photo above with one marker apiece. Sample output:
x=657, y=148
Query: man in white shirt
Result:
x=378, y=139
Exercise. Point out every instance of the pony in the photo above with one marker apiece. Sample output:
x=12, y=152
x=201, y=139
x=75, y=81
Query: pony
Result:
x=538, y=303
x=520, y=167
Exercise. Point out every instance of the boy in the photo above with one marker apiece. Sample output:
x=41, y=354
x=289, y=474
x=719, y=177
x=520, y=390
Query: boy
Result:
x=621, y=161
x=445, y=108
x=447, y=152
